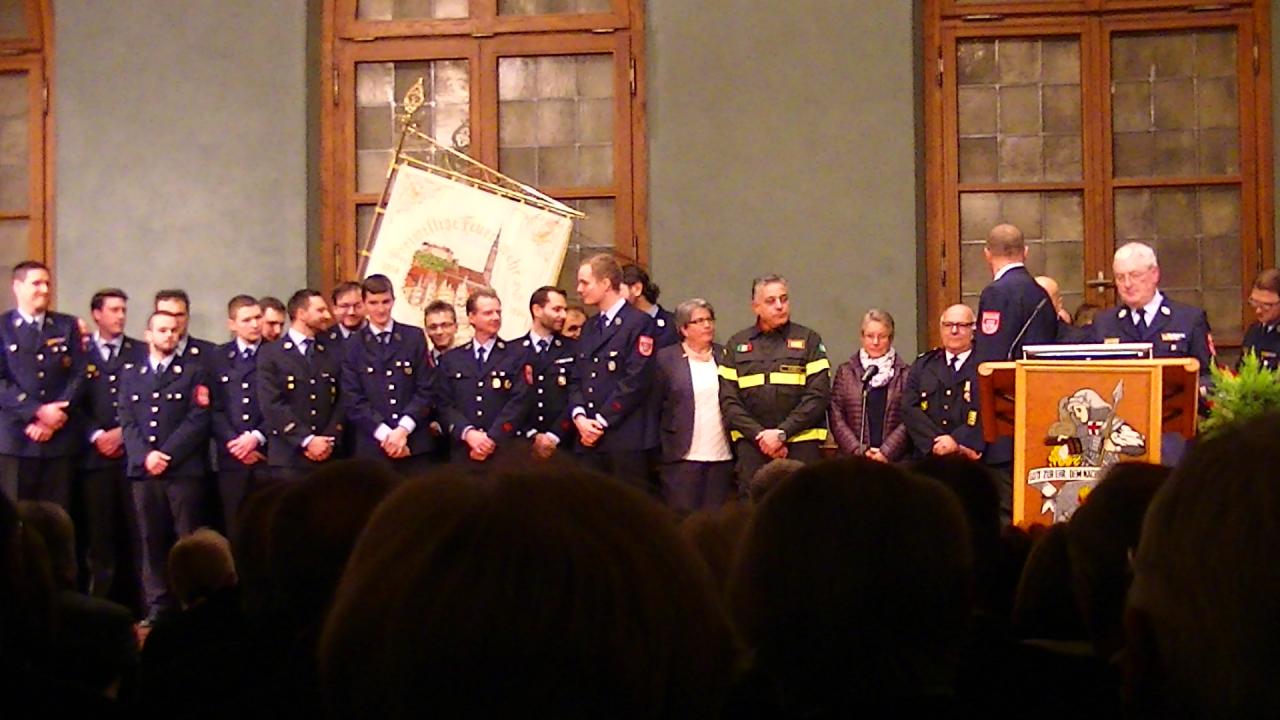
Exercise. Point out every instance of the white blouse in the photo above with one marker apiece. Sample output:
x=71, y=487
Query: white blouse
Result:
x=709, y=442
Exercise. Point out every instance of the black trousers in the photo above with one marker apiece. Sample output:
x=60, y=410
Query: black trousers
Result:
x=234, y=487
x=24, y=478
x=750, y=460
x=689, y=486
x=167, y=509
x=629, y=466
x=111, y=528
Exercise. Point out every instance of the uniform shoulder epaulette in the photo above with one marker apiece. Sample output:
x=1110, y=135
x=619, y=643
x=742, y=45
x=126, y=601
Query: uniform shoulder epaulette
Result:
x=930, y=351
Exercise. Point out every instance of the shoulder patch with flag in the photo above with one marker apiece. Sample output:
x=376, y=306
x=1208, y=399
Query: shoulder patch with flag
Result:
x=743, y=347
x=644, y=345
x=990, y=322
x=202, y=396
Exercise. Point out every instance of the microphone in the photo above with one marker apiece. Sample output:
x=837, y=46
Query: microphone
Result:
x=869, y=373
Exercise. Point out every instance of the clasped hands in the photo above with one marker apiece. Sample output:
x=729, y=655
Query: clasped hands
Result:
x=50, y=418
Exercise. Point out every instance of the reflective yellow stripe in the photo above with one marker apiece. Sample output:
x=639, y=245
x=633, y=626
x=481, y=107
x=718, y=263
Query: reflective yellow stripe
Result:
x=735, y=436
x=729, y=374
x=817, y=366
x=747, y=381
x=785, y=378
x=813, y=434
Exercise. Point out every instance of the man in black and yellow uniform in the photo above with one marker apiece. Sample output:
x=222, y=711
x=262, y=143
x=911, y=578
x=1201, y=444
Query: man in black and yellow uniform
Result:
x=775, y=384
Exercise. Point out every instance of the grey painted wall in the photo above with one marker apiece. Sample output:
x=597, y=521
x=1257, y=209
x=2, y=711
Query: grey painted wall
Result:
x=181, y=151
x=785, y=142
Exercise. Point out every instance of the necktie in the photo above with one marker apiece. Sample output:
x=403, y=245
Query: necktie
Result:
x=108, y=351
x=955, y=363
x=435, y=358
x=1141, y=324
x=306, y=348
x=160, y=368
x=384, y=337
x=543, y=344
x=246, y=354
x=604, y=322
x=480, y=357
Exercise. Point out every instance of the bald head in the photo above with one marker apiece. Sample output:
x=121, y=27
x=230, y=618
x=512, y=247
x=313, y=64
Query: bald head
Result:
x=1052, y=290
x=1005, y=241
x=958, y=313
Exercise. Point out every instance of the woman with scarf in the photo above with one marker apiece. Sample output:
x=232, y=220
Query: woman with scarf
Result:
x=866, y=399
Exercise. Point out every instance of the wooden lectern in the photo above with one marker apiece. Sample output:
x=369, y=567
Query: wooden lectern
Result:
x=1072, y=419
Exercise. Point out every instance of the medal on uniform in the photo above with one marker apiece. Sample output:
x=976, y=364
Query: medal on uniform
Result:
x=560, y=380
x=506, y=384
x=497, y=384
x=612, y=366
x=967, y=396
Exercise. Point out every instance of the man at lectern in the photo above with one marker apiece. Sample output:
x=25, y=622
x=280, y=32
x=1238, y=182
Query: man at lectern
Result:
x=1147, y=315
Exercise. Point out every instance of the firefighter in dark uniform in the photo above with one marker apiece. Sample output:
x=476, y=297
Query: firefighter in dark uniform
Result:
x=643, y=294
x=387, y=382
x=107, y=494
x=239, y=431
x=178, y=303
x=940, y=403
x=1147, y=315
x=612, y=377
x=298, y=391
x=165, y=416
x=548, y=368
x=481, y=388
x=775, y=385
x=42, y=376
x=1263, y=337
x=1013, y=311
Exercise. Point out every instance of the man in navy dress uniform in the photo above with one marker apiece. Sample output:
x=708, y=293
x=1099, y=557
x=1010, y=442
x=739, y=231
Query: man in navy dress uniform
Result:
x=643, y=294
x=387, y=384
x=1263, y=337
x=612, y=377
x=177, y=303
x=165, y=416
x=298, y=391
x=107, y=495
x=940, y=404
x=42, y=375
x=1013, y=310
x=480, y=387
x=548, y=367
x=348, y=309
x=239, y=430
x=1147, y=315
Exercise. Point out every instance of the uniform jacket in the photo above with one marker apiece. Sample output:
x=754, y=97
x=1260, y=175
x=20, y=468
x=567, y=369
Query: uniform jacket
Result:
x=939, y=402
x=846, y=410
x=778, y=379
x=233, y=385
x=101, y=403
x=168, y=412
x=299, y=397
x=47, y=365
x=198, y=350
x=386, y=383
x=666, y=333
x=673, y=386
x=613, y=376
x=1264, y=343
x=551, y=371
x=494, y=398
x=1177, y=330
x=1007, y=306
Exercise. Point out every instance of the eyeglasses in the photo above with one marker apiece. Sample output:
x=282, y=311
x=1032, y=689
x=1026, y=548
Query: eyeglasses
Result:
x=1261, y=305
x=347, y=306
x=956, y=326
x=441, y=326
x=701, y=321
x=1132, y=276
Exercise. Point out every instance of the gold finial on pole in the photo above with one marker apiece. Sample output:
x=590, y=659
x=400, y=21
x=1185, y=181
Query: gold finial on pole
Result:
x=415, y=98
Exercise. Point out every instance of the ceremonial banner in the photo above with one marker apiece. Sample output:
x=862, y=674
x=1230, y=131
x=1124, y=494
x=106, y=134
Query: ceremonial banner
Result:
x=440, y=239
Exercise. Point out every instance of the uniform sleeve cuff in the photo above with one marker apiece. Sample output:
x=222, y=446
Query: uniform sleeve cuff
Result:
x=380, y=434
x=408, y=424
